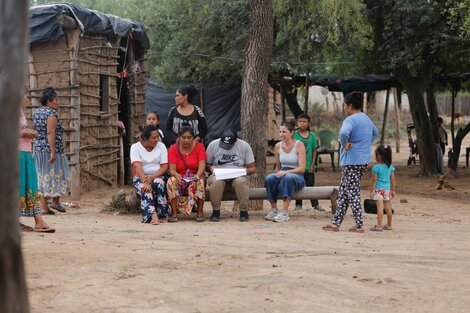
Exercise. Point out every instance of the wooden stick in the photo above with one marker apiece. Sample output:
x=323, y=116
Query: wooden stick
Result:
x=99, y=64
x=108, y=137
x=98, y=176
x=397, y=120
x=89, y=95
x=384, y=122
x=98, y=146
x=98, y=73
x=106, y=162
x=96, y=47
x=101, y=154
x=95, y=125
x=99, y=55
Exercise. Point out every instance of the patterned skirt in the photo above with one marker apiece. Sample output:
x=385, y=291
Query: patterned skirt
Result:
x=28, y=185
x=53, y=179
x=196, y=190
x=152, y=202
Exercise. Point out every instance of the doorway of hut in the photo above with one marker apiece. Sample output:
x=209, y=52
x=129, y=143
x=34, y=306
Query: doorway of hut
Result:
x=124, y=112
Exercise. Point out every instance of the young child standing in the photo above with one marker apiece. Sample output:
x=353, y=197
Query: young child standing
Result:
x=309, y=140
x=382, y=188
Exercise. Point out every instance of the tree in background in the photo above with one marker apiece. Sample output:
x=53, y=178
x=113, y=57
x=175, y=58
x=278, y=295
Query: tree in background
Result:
x=254, y=100
x=322, y=37
x=13, y=21
x=417, y=41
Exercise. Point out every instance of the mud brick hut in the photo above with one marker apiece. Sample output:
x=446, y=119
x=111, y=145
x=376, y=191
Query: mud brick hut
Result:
x=95, y=63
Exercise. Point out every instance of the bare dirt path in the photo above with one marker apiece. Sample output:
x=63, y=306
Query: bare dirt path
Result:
x=101, y=262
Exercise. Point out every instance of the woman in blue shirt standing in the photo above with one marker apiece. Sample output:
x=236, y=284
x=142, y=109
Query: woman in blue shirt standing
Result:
x=356, y=136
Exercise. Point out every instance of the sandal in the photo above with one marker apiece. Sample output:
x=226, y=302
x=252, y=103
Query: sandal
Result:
x=330, y=227
x=376, y=228
x=25, y=228
x=49, y=212
x=385, y=227
x=172, y=219
x=58, y=207
x=356, y=230
x=200, y=219
x=44, y=229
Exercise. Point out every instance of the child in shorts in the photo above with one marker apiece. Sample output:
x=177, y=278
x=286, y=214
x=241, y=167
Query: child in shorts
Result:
x=383, y=186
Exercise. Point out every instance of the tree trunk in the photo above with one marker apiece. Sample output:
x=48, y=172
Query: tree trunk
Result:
x=433, y=114
x=415, y=88
x=455, y=151
x=254, y=99
x=13, y=21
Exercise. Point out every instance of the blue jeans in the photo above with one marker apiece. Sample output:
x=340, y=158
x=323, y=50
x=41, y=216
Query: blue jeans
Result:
x=284, y=185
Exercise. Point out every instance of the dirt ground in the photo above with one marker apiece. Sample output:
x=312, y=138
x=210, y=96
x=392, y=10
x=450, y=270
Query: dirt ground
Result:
x=101, y=262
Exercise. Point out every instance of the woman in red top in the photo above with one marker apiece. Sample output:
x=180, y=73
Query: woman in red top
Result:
x=187, y=162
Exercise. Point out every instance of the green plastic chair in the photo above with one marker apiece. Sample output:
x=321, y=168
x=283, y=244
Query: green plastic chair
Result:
x=328, y=144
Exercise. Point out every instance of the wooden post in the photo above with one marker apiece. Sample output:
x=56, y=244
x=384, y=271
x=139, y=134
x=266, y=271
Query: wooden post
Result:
x=131, y=99
x=72, y=43
x=33, y=82
x=306, y=94
x=364, y=103
x=384, y=122
x=452, y=130
x=397, y=120
x=283, y=103
x=121, y=160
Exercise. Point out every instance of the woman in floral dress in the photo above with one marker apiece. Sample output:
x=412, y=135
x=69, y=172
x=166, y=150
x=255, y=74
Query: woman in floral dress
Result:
x=51, y=162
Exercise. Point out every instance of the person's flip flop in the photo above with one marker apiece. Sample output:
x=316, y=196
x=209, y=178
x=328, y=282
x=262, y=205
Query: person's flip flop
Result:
x=25, y=228
x=172, y=219
x=330, y=227
x=44, y=229
x=58, y=207
x=48, y=212
x=385, y=227
x=356, y=230
x=376, y=228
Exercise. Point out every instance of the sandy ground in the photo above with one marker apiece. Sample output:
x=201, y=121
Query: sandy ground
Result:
x=101, y=262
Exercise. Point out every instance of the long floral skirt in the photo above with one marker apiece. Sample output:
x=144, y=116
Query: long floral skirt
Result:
x=154, y=201
x=53, y=179
x=196, y=190
x=28, y=185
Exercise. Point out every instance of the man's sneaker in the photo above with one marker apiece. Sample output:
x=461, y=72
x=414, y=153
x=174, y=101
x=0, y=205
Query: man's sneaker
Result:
x=281, y=217
x=271, y=214
x=319, y=208
x=244, y=216
x=215, y=217
x=298, y=208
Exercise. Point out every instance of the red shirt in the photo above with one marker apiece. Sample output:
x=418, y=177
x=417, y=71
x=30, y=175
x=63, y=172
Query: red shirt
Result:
x=192, y=159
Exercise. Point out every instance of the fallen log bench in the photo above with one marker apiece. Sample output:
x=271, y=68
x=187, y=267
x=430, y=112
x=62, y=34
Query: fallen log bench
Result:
x=306, y=193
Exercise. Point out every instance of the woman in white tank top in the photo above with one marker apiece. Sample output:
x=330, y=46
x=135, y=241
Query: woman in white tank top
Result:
x=288, y=177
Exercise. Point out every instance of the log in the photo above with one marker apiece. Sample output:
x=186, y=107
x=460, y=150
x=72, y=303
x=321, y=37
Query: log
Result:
x=306, y=193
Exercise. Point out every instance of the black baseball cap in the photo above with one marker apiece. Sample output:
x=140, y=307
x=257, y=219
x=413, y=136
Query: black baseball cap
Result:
x=228, y=138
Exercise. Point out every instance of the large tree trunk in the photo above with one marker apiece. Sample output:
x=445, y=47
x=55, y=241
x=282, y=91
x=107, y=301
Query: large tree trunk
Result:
x=415, y=88
x=455, y=151
x=13, y=21
x=254, y=99
x=432, y=109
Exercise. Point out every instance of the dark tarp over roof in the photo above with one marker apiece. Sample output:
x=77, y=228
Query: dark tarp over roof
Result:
x=44, y=26
x=221, y=106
